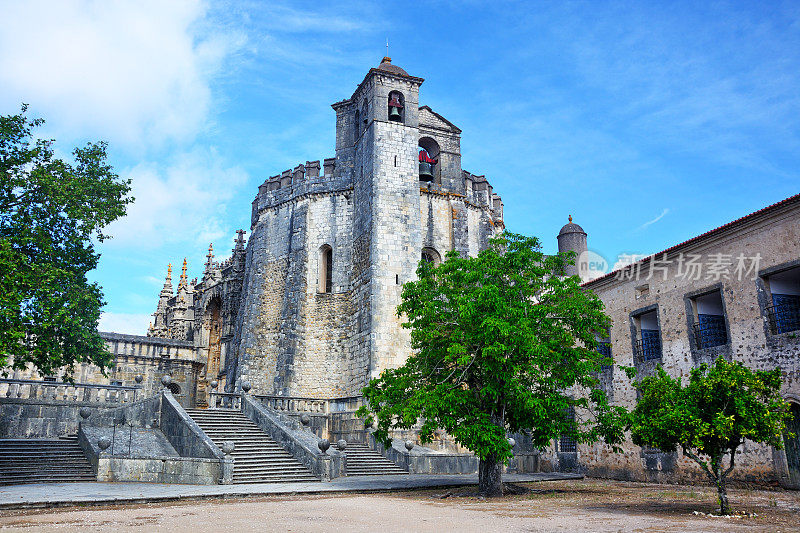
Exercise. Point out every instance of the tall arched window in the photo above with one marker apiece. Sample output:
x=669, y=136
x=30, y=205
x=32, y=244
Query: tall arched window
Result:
x=325, y=283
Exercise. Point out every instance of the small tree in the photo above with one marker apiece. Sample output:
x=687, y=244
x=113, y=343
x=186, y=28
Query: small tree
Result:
x=721, y=406
x=50, y=212
x=499, y=341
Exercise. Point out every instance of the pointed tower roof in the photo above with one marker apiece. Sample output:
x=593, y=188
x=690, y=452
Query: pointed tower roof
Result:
x=166, y=290
x=239, y=246
x=182, y=282
x=209, y=258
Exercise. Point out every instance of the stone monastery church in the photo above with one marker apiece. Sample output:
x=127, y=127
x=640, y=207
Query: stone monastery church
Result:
x=307, y=306
x=249, y=373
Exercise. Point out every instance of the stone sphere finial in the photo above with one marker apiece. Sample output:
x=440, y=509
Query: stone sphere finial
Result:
x=409, y=445
x=85, y=412
x=139, y=378
x=103, y=443
x=246, y=386
x=341, y=444
x=228, y=447
x=214, y=384
x=166, y=379
x=512, y=442
x=323, y=445
x=305, y=419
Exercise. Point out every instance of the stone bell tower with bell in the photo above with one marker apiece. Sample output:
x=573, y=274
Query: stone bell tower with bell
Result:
x=377, y=134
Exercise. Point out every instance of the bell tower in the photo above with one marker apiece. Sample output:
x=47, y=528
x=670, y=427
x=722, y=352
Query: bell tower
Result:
x=376, y=141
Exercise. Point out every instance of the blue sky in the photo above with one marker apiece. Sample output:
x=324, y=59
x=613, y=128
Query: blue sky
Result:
x=649, y=122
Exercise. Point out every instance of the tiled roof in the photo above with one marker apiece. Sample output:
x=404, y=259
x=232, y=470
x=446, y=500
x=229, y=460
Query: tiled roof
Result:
x=710, y=233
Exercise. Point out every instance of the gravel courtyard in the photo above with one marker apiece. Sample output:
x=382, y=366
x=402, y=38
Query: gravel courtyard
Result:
x=586, y=505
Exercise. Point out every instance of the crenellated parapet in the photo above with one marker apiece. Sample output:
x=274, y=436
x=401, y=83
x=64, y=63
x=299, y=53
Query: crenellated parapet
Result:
x=479, y=192
x=301, y=181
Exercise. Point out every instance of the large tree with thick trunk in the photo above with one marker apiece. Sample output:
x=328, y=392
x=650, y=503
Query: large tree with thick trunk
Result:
x=722, y=405
x=502, y=343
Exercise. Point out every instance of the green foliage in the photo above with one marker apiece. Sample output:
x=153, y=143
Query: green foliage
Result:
x=50, y=211
x=499, y=342
x=721, y=406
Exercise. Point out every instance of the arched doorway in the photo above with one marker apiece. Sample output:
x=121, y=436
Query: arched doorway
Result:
x=793, y=444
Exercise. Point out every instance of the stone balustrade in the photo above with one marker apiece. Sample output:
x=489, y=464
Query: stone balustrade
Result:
x=68, y=392
x=299, y=404
x=225, y=400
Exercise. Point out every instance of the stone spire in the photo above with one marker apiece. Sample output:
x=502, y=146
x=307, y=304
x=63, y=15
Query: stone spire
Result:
x=239, y=246
x=167, y=289
x=182, y=282
x=210, y=257
x=159, y=328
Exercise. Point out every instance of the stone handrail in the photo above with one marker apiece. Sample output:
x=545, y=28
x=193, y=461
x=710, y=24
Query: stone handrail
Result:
x=296, y=404
x=302, y=444
x=225, y=400
x=301, y=404
x=68, y=392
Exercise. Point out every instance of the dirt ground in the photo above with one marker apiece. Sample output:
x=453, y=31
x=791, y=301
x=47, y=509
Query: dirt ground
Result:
x=587, y=505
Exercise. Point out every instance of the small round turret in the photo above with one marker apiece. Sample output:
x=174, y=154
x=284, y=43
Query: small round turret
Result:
x=572, y=238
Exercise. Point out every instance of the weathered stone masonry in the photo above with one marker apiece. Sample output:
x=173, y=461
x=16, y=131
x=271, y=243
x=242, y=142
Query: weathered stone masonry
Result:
x=273, y=322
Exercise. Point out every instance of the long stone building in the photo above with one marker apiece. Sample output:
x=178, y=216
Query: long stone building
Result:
x=733, y=292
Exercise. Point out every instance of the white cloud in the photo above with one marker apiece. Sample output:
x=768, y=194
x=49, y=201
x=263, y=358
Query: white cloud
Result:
x=182, y=200
x=651, y=222
x=134, y=73
x=133, y=324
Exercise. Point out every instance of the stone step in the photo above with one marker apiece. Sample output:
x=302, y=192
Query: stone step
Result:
x=257, y=458
x=363, y=460
x=43, y=461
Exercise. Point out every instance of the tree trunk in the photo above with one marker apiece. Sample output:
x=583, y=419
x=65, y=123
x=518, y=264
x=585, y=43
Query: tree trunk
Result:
x=722, y=492
x=490, y=477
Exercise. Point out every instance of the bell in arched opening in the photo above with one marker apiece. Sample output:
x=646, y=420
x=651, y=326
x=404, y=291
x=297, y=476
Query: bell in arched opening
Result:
x=395, y=106
x=426, y=164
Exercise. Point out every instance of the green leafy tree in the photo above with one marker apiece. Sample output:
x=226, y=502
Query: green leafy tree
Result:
x=50, y=213
x=721, y=406
x=499, y=342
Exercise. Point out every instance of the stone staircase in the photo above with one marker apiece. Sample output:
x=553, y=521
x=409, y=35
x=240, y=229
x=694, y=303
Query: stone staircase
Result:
x=43, y=461
x=257, y=458
x=364, y=461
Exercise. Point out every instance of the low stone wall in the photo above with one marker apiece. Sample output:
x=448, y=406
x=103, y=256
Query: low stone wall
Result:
x=22, y=418
x=181, y=470
x=144, y=413
x=150, y=459
x=422, y=460
x=302, y=444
